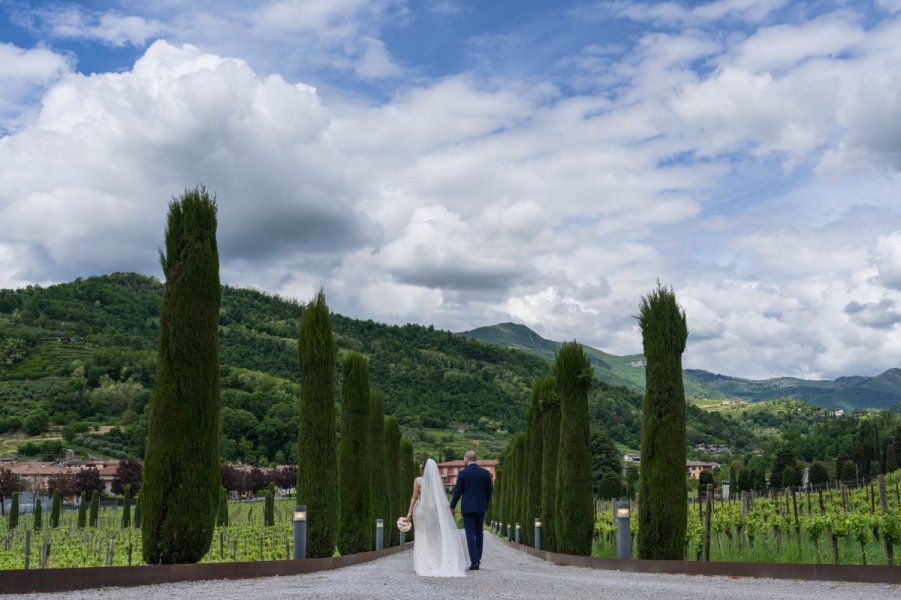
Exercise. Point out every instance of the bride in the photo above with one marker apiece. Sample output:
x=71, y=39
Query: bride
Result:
x=439, y=550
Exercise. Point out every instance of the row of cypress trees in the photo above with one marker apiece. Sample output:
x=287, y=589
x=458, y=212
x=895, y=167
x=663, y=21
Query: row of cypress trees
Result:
x=346, y=490
x=546, y=472
x=181, y=491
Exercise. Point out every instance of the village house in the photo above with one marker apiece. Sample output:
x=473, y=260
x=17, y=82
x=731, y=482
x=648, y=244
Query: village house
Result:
x=694, y=468
x=450, y=469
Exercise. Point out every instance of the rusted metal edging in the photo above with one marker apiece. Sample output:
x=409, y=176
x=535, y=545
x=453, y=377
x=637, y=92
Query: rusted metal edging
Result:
x=63, y=580
x=813, y=572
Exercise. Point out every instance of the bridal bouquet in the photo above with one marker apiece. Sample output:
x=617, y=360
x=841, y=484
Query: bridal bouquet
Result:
x=404, y=524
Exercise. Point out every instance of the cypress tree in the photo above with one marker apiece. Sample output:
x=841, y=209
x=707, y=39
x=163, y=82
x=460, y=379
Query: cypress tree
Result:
x=840, y=464
x=137, y=519
x=491, y=515
x=611, y=486
x=378, y=469
x=56, y=508
x=82, y=511
x=510, y=485
x=788, y=477
x=533, y=486
x=784, y=459
x=222, y=508
x=575, y=500
x=400, y=482
x=317, y=460
x=37, y=514
x=704, y=478
x=519, y=448
x=546, y=390
x=662, y=517
x=818, y=475
x=13, y=518
x=408, y=474
x=497, y=498
x=522, y=514
x=897, y=443
x=891, y=460
x=126, y=508
x=536, y=451
x=180, y=485
x=95, y=509
x=849, y=473
x=356, y=525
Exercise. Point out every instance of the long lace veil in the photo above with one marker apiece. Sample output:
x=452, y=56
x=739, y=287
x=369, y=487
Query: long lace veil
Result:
x=451, y=550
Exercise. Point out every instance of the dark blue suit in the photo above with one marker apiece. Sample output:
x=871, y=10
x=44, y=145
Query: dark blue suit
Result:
x=474, y=485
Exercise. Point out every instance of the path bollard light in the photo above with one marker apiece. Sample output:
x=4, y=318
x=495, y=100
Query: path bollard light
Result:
x=379, y=534
x=518, y=534
x=300, y=532
x=624, y=536
x=509, y=532
x=537, y=533
x=403, y=538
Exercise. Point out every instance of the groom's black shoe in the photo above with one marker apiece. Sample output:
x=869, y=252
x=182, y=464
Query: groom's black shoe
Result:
x=474, y=567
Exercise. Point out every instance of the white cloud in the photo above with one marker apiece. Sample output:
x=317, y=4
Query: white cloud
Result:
x=118, y=146
x=752, y=11
x=888, y=260
x=24, y=74
x=376, y=62
x=439, y=250
x=775, y=48
x=754, y=168
x=111, y=28
x=891, y=6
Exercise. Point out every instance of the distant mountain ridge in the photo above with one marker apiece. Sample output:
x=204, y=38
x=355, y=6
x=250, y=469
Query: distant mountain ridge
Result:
x=849, y=393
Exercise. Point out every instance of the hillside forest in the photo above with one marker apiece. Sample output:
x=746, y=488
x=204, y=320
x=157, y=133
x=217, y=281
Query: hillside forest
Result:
x=77, y=362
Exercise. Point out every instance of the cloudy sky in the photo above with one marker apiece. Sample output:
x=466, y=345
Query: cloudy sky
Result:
x=467, y=162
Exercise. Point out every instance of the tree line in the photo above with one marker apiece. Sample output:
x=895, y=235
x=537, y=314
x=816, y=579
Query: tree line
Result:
x=344, y=484
x=551, y=470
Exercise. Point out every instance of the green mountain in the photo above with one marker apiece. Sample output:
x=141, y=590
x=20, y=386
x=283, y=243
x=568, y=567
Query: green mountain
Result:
x=83, y=354
x=77, y=362
x=882, y=391
x=849, y=393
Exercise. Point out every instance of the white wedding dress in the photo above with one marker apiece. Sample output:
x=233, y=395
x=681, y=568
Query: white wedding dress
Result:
x=439, y=549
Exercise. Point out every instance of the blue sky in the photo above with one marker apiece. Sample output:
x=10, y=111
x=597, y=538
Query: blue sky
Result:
x=465, y=163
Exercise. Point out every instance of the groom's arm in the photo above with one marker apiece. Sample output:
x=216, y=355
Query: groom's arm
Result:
x=458, y=491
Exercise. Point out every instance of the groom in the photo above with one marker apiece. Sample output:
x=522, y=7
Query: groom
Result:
x=474, y=485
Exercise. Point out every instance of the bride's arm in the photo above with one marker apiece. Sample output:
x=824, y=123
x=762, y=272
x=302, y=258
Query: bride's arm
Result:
x=414, y=499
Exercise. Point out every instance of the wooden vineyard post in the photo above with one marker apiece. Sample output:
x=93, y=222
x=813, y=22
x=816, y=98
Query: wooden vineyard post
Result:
x=797, y=521
x=707, y=516
x=27, y=548
x=832, y=537
x=883, y=505
x=745, y=501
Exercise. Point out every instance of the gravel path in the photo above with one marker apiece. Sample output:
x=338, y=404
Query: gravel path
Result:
x=505, y=574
